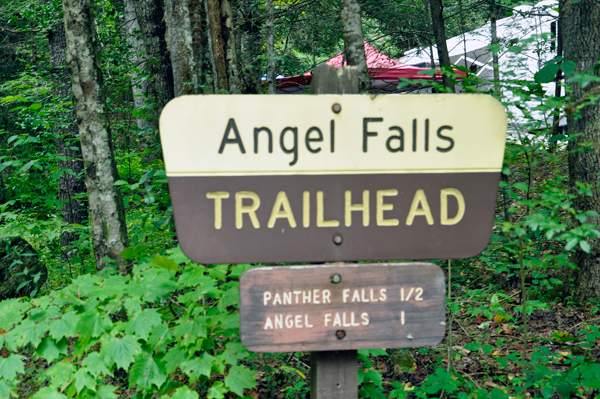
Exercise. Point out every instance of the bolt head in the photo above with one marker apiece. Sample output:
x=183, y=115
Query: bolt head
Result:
x=340, y=334
x=336, y=278
x=338, y=239
x=336, y=108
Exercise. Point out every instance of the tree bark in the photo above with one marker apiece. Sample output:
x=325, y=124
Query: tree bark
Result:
x=160, y=88
x=230, y=48
x=559, y=74
x=179, y=42
x=109, y=231
x=200, y=45
x=354, y=42
x=439, y=31
x=251, y=43
x=270, y=25
x=68, y=147
x=139, y=86
x=581, y=40
x=222, y=42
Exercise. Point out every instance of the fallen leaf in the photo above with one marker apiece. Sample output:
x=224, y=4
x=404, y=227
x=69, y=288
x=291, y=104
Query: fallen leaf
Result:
x=507, y=329
x=461, y=350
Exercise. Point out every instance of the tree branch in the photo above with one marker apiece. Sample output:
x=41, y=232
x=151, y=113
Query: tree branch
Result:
x=5, y=29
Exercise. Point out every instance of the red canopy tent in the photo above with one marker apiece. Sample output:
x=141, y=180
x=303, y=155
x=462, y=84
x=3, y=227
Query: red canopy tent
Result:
x=385, y=73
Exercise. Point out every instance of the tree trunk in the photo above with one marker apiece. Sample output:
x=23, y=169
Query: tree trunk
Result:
x=251, y=43
x=179, y=43
x=230, y=49
x=139, y=86
x=68, y=147
x=559, y=75
x=200, y=46
x=160, y=88
x=494, y=32
x=270, y=25
x=439, y=31
x=109, y=231
x=354, y=42
x=222, y=42
x=581, y=39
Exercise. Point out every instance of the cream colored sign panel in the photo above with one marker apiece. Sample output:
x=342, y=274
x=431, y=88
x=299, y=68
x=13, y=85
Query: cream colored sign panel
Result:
x=210, y=135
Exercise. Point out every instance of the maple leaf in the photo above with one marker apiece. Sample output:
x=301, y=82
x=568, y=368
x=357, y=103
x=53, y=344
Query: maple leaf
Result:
x=240, y=378
x=145, y=372
x=121, y=351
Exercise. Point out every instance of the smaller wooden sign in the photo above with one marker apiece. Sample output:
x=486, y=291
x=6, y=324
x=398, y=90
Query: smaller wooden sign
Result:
x=330, y=307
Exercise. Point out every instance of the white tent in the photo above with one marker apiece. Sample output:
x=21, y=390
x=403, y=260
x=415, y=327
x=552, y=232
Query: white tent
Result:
x=530, y=27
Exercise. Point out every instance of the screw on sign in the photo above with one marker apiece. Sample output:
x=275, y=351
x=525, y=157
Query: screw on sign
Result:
x=334, y=178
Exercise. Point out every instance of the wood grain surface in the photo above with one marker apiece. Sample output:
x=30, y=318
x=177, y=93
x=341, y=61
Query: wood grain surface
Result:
x=378, y=305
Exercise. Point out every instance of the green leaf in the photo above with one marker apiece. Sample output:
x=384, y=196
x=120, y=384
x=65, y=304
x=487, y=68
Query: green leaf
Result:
x=194, y=276
x=27, y=166
x=60, y=373
x=83, y=379
x=585, y=247
x=234, y=351
x=375, y=376
x=48, y=393
x=217, y=391
x=237, y=270
x=197, y=366
x=547, y=73
x=65, y=326
x=145, y=372
x=106, y=392
x=164, y=263
x=11, y=366
x=7, y=389
x=174, y=357
x=29, y=332
x=372, y=391
x=182, y=393
x=121, y=351
x=95, y=365
x=240, y=378
x=440, y=380
x=590, y=375
x=571, y=244
x=142, y=323
x=35, y=106
x=190, y=330
x=568, y=68
x=51, y=350
x=159, y=336
x=521, y=186
x=93, y=324
x=498, y=393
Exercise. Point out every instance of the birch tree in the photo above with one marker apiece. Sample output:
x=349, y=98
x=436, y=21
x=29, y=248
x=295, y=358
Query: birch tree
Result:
x=139, y=85
x=70, y=183
x=107, y=216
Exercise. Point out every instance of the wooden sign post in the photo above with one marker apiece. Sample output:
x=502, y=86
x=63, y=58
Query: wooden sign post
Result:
x=335, y=177
x=334, y=374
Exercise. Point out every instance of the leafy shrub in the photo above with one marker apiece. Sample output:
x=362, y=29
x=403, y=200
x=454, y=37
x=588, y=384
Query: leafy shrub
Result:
x=169, y=329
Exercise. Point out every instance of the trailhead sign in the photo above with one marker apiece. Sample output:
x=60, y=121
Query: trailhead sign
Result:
x=316, y=178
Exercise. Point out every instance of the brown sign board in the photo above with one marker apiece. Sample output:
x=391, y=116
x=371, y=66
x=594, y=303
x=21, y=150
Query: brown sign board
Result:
x=258, y=179
x=329, y=307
